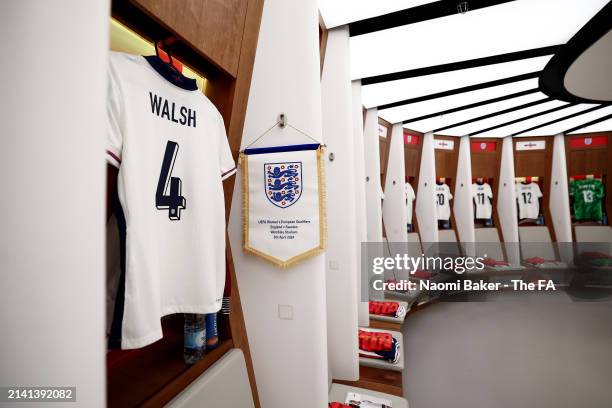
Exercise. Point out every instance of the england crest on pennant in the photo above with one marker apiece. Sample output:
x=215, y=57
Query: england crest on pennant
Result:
x=283, y=183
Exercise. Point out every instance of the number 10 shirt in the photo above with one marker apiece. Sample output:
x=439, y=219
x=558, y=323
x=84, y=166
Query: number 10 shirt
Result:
x=169, y=143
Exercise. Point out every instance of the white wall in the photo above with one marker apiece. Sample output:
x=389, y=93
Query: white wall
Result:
x=506, y=203
x=341, y=255
x=372, y=183
x=394, y=205
x=425, y=201
x=289, y=356
x=559, y=193
x=52, y=125
x=463, y=207
x=360, y=195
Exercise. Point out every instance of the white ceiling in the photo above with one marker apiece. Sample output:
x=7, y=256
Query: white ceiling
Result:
x=604, y=126
x=510, y=27
x=526, y=124
x=400, y=113
x=564, y=125
x=392, y=91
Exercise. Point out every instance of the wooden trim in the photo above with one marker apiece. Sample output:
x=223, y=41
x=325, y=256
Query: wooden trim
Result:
x=415, y=185
x=385, y=165
x=177, y=385
x=377, y=379
x=323, y=33
x=231, y=98
x=383, y=324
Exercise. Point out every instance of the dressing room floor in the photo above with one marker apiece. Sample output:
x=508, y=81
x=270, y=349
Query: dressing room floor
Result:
x=516, y=350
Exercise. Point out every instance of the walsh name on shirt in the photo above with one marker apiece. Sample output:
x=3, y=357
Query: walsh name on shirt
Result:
x=162, y=108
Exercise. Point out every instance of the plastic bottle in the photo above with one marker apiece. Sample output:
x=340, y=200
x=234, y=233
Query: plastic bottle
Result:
x=194, y=340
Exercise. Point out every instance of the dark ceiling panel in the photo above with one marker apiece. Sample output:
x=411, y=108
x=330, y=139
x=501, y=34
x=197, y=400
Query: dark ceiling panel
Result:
x=417, y=14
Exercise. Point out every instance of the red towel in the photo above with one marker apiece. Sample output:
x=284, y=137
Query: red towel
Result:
x=375, y=341
x=594, y=255
x=535, y=260
x=383, y=308
x=338, y=405
x=423, y=274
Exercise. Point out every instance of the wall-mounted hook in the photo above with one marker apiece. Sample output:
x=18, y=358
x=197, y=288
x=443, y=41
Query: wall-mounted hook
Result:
x=282, y=120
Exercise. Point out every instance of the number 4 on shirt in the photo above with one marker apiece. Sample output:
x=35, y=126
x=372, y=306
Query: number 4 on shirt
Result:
x=171, y=200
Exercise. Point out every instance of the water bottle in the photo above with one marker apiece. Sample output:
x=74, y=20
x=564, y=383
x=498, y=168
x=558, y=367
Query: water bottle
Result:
x=212, y=331
x=194, y=340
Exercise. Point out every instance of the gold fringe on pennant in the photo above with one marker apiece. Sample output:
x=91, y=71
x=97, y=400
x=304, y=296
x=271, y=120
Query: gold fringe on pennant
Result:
x=243, y=162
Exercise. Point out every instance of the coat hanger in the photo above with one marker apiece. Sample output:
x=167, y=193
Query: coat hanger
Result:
x=162, y=51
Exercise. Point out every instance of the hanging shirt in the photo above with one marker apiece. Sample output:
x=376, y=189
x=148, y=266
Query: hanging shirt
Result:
x=528, y=196
x=588, y=195
x=482, y=196
x=443, y=197
x=410, y=197
x=169, y=143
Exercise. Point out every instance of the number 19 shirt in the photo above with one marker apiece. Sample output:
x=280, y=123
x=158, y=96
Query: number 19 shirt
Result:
x=169, y=143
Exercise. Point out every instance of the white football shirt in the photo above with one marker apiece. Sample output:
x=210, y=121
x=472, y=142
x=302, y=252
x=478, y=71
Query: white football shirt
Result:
x=482, y=195
x=410, y=197
x=527, y=196
x=443, y=197
x=169, y=143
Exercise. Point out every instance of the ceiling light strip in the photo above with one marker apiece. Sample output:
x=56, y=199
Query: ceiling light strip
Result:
x=456, y=66
x=512, y=122
x=455, y=91
x=493, y=114
x=573, y=115
x=593, y=122
x=472, y=105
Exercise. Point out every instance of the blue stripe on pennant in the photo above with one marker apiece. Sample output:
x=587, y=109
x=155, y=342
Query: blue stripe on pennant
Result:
x=280, y=149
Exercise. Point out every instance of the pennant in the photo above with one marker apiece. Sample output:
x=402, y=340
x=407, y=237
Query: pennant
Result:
x=284, y=203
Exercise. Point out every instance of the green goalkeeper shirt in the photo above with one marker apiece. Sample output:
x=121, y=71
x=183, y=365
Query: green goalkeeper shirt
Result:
x=588, y=195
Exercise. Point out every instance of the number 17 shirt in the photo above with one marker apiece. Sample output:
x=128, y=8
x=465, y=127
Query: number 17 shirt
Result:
x=169, y=143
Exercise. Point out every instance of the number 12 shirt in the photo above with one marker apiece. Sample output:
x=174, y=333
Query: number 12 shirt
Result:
x=528, y=196
x=169, y=143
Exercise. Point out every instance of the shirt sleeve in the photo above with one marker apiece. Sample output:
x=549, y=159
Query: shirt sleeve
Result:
x=114, y=135
x=516, y=190
x=450, y=196
x=538, y=192
x=489, y=191
x=226, y=160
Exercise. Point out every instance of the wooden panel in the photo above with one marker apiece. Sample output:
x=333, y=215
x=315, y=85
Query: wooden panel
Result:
x=214, y=27
x=376, y=379
x=384, y=146
x=382, y=324
x=158, y=374
x=591, y=160
x=537, y=163
x=486, y=164
x=323, y=33
x=412, y=164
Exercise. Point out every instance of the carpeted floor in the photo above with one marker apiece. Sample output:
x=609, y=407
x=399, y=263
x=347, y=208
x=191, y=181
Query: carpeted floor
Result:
x=515, y=351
